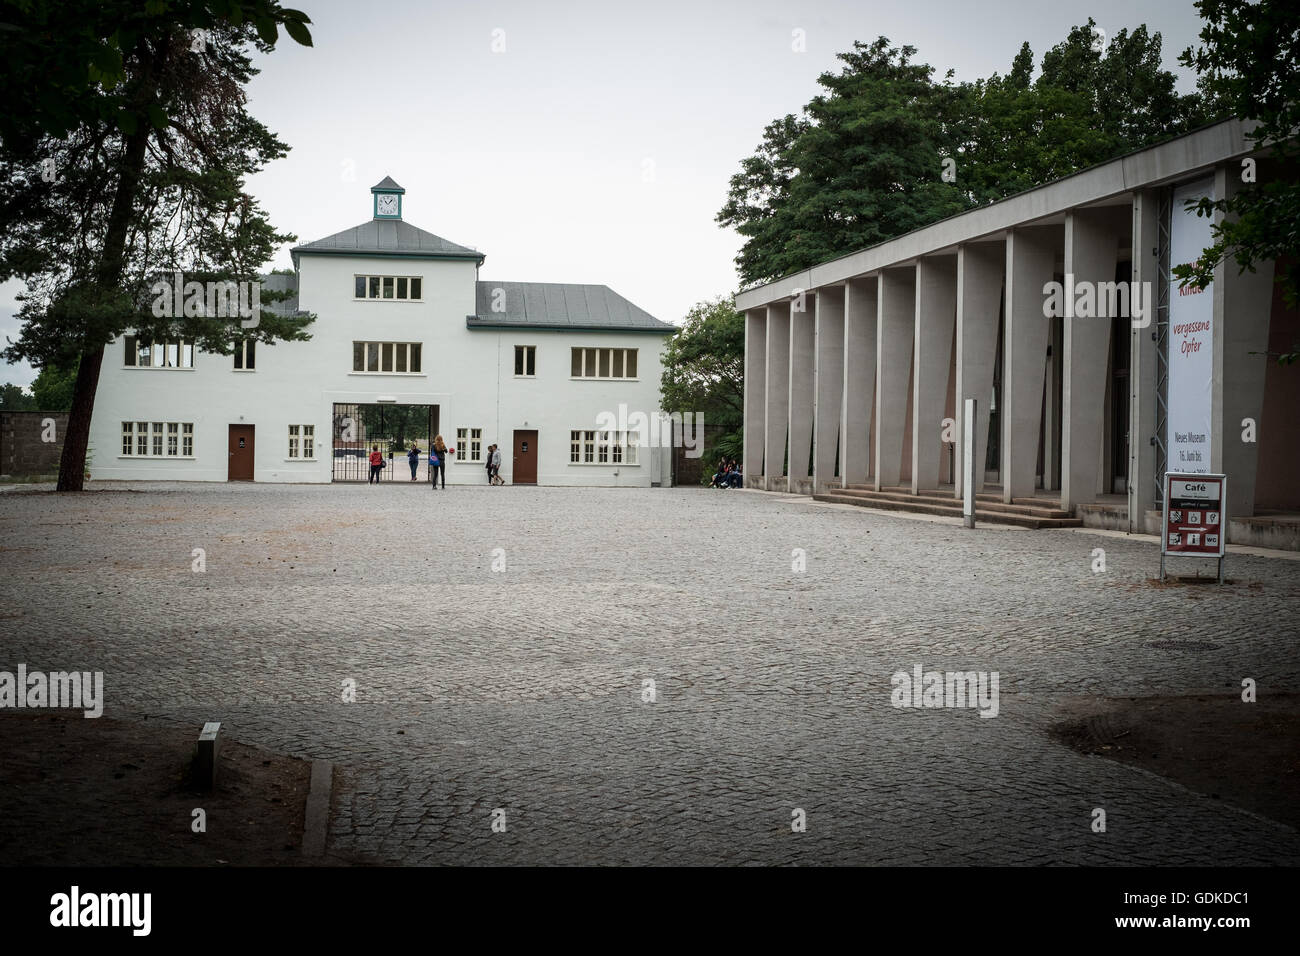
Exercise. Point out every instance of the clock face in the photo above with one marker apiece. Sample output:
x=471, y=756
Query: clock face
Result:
x=387, y=205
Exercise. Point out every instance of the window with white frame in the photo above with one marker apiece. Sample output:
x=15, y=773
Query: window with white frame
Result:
x=158, y=439
x=525, y=361
x=469, y=441
x=602, y=447
x=147, y=353
x=246, y=355
x=302, y=441
x=393, y=288
x=392, y=358
x=603, y=363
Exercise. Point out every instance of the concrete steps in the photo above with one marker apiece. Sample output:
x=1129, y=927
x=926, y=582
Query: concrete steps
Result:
x=1035, y=513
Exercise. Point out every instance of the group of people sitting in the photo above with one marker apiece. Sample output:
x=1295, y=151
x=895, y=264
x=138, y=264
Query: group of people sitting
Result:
x=728, y=475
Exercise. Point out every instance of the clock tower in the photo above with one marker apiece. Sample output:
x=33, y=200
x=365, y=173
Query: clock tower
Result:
x=388, y=199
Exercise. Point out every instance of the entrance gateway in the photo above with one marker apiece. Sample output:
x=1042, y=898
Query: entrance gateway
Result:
x=356, y=429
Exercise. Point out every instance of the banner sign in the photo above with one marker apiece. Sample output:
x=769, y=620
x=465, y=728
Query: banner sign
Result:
x=1194, y=521
x=1191, y=339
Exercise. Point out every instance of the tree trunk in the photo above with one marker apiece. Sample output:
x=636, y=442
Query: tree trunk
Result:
x=76, y=435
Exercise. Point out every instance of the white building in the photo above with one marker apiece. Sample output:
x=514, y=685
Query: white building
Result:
x=403, y=327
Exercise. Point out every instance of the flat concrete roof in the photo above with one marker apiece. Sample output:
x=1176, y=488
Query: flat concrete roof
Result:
x=1183, y=158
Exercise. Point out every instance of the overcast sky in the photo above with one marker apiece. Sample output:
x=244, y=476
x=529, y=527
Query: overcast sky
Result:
x=595, y=142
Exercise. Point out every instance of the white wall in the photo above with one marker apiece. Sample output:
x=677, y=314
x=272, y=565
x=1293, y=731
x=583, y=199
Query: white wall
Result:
x=470, y=374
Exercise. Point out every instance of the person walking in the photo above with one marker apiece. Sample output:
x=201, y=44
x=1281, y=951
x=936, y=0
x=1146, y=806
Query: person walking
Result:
x=488, y=463
x=495, y=466
x=440, y=468
x=413, y=458
x=376, y=464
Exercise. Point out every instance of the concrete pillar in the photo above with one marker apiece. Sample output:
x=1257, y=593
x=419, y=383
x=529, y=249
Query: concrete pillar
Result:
x=829, y=378
x=859, y=379
x=935, y=314
x=895, y=330
x=1142, y=478
x=755, y=392
x=980, y=267
x=1092, y=244
x=1031, y=253
x=1242, y=306
x=777, y=419
x=802, y=395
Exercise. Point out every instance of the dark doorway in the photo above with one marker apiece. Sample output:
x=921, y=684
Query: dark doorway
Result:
x=525, y=463
x=1119, y=388
x=240, y=467
x=357, y=429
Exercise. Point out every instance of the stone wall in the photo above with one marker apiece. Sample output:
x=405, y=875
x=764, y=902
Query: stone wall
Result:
x=23, y=452
x=691, y=471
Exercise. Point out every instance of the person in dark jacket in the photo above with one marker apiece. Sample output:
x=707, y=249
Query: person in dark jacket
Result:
x=413, y=458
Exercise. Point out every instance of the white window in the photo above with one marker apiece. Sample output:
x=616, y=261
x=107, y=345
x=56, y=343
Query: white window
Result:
x=602, y=447
x=393, y=288
x=602, y=363
x=147, y=353
x=246, y=355
x=392, y=358
x=158, y=439
x=469, y=444
x=525, y=361
x=302, y=441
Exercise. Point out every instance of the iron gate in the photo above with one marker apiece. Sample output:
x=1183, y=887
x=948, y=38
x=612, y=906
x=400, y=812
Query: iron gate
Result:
x=360, y=429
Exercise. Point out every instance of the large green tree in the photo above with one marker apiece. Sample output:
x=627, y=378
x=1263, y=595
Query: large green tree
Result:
x=14, y=398
x=704, y=371
x=886, y=148
x=53, y=388
x=130, y=161
x=1249, y=66
x=861, y=165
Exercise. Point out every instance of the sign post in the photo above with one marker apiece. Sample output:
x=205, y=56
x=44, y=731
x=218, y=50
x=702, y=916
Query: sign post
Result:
x=968, y=464
x=1193, y=522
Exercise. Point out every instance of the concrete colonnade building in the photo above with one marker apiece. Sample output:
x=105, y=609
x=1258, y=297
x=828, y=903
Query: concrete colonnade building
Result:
x=857, y=369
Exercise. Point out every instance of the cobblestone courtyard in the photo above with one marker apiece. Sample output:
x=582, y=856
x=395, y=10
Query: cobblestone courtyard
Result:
x=522, y=688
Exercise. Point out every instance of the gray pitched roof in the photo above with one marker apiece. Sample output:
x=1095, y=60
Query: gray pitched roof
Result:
x=387, y=185
x=559, y=306
x=391, y=237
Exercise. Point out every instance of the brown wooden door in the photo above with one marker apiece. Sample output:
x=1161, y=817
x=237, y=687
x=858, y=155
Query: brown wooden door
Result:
x=241, y=453
x=525, y=465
